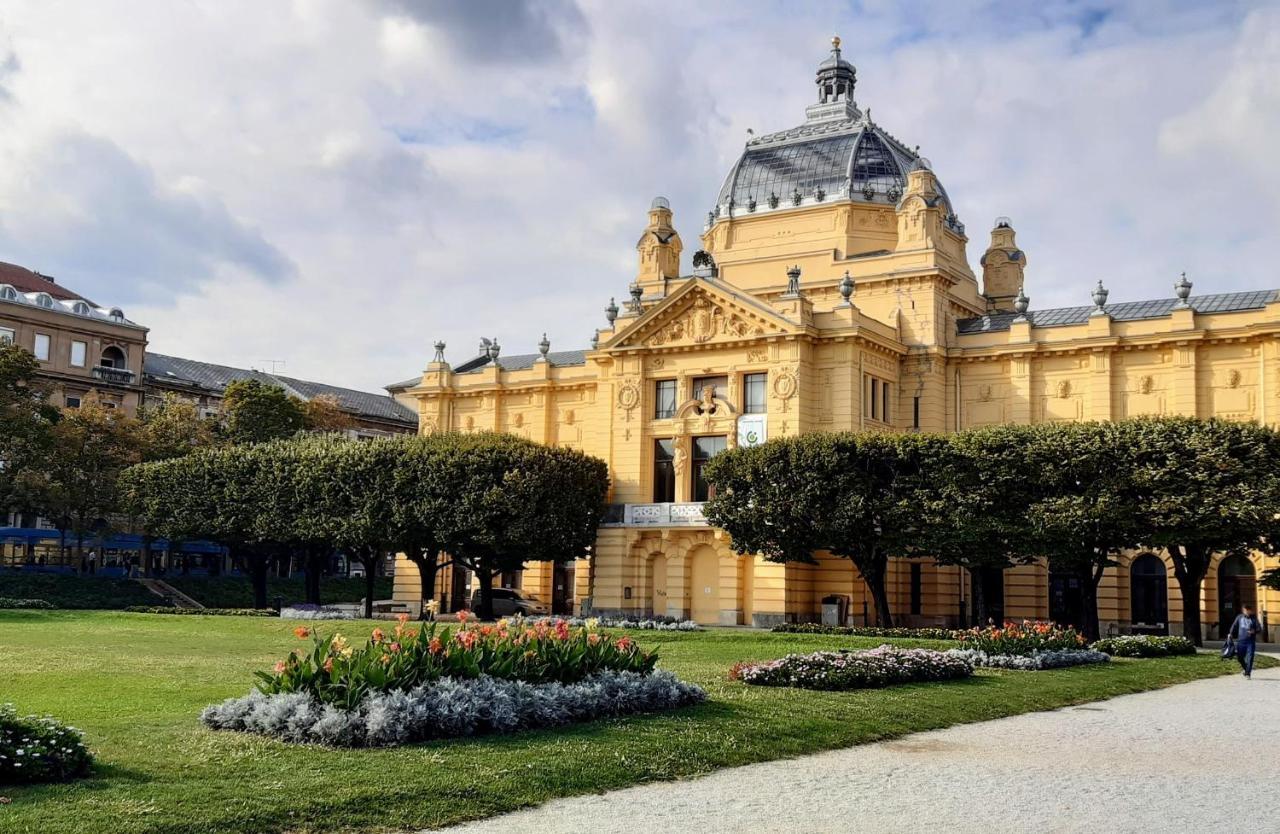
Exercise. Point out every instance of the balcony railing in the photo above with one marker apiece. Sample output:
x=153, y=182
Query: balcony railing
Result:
x=680, y=514
x=120, y=376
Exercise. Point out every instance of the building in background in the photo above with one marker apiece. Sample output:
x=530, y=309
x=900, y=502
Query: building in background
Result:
x=80, y=346
x=203, y=383
x=834, y=292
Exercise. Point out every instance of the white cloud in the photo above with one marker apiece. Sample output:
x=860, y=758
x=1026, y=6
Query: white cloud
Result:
x=339, y=184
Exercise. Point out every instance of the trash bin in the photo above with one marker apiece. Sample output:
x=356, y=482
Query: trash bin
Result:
x=835, y=610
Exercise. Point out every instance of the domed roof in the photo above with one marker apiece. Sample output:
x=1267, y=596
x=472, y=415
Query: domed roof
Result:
x=837, y=154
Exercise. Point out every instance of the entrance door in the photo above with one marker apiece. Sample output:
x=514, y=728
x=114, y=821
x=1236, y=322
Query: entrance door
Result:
x=705, y=586
x=1149, y=595
x=458, y=596
x=992, y=580
x=562, y=588
x=658, y=599
x=1066, y=600
x=1237, y=587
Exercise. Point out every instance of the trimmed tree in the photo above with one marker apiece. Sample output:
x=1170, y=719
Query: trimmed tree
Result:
x=853, y=495
x=26, y=429
x=255, y=412
x=1202, y=487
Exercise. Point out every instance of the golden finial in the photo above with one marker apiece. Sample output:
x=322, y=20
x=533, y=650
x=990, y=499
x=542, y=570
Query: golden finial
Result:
x=835, y=42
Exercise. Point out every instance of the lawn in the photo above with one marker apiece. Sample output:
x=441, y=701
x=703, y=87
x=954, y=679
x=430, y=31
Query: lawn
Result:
x=135, y=684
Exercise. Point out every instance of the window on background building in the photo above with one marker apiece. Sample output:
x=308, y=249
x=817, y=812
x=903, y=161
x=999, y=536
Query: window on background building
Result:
x=113, y=357
x=6, y=336
x=719, y=386
x=873, y=397
x=917, y=588
x=915, y=412
x=41, y=347
x=664, y=400
x=704, y=449
x=78, y=352
x=664, y=471
x=884, y=401
x=73, y=400
x=753, y=393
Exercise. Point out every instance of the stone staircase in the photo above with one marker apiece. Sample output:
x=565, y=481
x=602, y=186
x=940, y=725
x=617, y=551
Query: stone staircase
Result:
x=168, y=593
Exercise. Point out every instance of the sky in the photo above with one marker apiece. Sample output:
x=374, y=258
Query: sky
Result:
x=327, y=187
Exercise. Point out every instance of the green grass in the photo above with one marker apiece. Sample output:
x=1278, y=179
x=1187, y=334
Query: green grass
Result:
x=135, y=684
x=65, y=591
x=237, y=592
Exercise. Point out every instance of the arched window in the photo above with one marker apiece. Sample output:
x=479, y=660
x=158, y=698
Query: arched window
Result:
x=1149, y=594
x=113, y=357
x=80, y=308
x=43, y=299
x=8, y=293
x=1237, y=587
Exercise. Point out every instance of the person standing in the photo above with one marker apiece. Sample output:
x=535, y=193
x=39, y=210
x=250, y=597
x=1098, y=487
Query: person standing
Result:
x=1244, y=631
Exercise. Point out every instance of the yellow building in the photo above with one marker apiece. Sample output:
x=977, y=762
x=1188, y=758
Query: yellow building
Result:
x=833, y=292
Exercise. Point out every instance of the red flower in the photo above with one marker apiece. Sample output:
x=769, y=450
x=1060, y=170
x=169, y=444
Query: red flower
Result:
x=464, y=615
x=302, y=632
x=435, y=645
x=624, y=643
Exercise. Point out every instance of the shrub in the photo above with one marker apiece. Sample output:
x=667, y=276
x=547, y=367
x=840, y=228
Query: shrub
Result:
x=10, y=602
x=314, y=612
x=870, y=668
x=866, y=631
x=237, y=591
x=336, y=672
x=1035, y=661
x=34, y=749
x=1144, y=645
x=212, y=612
x=1021, y=638
x=76, y=592
x=451, y=707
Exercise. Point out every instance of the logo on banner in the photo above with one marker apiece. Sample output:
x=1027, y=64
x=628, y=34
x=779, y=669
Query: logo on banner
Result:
x=752, y=429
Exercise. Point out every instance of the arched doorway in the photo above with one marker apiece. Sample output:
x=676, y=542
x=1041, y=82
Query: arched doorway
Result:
x=1149, y=595
x=704, y=586
x=658, y=596
x=1237, y=586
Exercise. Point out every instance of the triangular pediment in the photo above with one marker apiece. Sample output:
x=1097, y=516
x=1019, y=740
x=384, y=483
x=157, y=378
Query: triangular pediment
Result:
x=702, y=312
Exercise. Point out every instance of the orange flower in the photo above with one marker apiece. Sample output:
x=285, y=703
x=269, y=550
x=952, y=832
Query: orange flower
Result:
x=394, y=647
x=302, y=632
x=593, y=638
x=410, y=633
x=435, y=645
x=486, y=630
x=328, y=664
x=402, y=618
x=279, y=667
x=377, y=635
x=466, y=639
x=624, y=643
x=464, y=615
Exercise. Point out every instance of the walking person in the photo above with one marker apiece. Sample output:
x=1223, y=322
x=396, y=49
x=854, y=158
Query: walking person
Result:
x=1244, y=631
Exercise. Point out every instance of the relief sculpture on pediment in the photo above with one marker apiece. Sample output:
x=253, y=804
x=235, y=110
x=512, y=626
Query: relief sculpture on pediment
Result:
x=703, y=321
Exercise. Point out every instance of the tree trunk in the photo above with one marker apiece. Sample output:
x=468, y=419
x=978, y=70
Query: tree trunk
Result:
x=370, y=562
x=486, y=593
x=1090, y=576
x=1189, y=567
x=316, y=558
x=259, y=566
x=976, y=583
x=146, y=555
x=426, y=560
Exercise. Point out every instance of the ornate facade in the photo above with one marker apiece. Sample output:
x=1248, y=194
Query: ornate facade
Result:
x=833, y=292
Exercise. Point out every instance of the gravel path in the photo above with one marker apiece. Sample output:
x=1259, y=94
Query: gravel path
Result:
x=1169, y=760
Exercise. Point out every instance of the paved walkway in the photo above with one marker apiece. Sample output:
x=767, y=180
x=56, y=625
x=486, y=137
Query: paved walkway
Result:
x=1172, y=760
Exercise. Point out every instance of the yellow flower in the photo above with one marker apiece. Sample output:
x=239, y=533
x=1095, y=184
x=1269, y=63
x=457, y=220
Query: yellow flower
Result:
x=593, y=623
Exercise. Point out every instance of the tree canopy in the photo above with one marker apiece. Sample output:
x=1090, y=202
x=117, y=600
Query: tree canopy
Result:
x=255, y=412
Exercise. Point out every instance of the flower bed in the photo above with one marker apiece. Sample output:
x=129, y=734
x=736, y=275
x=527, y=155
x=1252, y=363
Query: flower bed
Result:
x=314, y=612
x=1021, y=638
x=866, y=631
x=1144, y=645
x=1033, y=662
x=35, y=749
x=413, y=685
x=10, y=602
x=652, y=624
x=452, y=707
x=870, y=668
x=211, y=612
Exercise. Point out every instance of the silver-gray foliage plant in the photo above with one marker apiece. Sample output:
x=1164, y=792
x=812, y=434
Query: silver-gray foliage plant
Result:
x=451, y=708
x=1036, y=661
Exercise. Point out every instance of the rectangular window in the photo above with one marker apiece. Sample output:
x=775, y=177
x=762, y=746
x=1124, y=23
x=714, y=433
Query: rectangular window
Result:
x=78, y=351
x=42, y=347
x=73, y=400
x=917, y=588
x=753, y=393
x=704, y=449
x=664, y=471
x=6, y=336
x=884, y=402
x=719, y=386
x=664, y=406
x=875, y=398
x=915, y=412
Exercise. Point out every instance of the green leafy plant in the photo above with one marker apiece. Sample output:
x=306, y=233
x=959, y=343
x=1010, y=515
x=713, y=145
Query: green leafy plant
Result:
x=39, y=749
x=335, y=671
